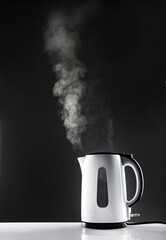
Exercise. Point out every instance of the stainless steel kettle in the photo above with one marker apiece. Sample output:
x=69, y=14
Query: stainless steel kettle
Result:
x=104, y=201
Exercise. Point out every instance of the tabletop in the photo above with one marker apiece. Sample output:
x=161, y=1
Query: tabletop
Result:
x=75, y=231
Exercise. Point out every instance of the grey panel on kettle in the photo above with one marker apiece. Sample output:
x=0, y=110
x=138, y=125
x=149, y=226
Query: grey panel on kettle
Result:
x=102, y=190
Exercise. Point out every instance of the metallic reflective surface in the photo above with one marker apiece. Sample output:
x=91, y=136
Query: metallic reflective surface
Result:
x=107, y=203
x=75, y=231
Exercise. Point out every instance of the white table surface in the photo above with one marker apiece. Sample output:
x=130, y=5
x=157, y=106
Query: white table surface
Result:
x=75, y=231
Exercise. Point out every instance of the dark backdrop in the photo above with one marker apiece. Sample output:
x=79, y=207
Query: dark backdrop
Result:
x=40, y=178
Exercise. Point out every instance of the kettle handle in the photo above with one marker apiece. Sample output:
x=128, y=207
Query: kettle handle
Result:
x=131, y=162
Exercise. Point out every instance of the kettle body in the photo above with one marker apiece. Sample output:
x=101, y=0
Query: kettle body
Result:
x=104, y=201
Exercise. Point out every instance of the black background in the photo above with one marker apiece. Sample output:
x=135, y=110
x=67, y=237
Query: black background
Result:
x=124, y=46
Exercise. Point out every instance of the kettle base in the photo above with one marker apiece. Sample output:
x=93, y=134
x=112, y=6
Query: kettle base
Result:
x=104, y=225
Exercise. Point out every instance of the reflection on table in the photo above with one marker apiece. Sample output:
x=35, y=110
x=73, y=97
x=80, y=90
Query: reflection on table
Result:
x=75, y=231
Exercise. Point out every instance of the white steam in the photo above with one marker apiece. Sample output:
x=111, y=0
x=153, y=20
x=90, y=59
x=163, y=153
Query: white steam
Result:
x=84, y=109
x=62, y=41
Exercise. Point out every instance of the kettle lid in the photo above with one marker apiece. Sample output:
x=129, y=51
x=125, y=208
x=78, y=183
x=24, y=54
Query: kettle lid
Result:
x=128, y=155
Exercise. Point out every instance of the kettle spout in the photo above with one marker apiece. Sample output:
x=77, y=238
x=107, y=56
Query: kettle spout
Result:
x=81, y=162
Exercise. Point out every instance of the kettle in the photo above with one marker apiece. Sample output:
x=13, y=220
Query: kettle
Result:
x=104, y=201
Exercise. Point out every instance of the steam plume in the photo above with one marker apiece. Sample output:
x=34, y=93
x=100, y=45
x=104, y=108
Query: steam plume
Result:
x=76, y=95
x=62, y=41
